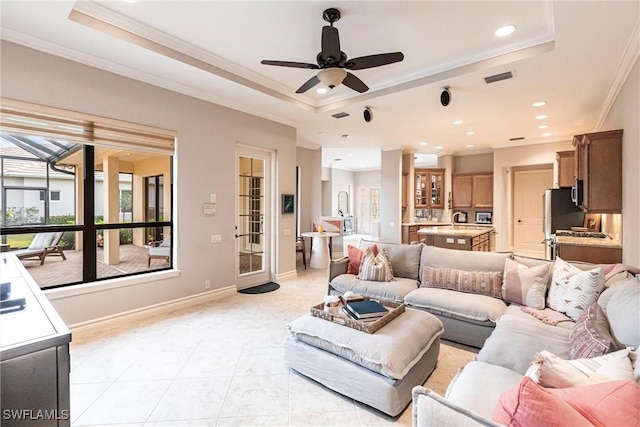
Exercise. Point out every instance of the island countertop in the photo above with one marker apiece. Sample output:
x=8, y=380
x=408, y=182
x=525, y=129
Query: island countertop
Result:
x=459, y=230
x=588, y=241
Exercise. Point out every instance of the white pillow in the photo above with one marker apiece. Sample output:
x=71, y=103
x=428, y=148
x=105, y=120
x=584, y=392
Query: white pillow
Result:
x=573, y=290
x=549, y=370
x=375, y=268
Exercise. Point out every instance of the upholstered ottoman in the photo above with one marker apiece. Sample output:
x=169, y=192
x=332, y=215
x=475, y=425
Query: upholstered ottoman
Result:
x=378, y=369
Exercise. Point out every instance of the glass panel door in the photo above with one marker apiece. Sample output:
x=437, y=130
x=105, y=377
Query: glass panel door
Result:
x=252, y=227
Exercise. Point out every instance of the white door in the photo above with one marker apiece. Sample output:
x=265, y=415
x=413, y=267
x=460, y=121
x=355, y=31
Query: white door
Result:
x=528, y=189
x=368, y=213
x=253, y=218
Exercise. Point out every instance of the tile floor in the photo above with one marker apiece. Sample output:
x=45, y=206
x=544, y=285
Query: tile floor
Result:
x=218, y=364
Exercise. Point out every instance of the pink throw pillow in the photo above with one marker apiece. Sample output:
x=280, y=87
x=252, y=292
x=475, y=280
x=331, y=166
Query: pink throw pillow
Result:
x=528, y=404
x=355, y=258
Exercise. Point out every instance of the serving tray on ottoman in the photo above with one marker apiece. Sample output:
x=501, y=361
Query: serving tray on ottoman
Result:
x=378, y=369
x=395, y=310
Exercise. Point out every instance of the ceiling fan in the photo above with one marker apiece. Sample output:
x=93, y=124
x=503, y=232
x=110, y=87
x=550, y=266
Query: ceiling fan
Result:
x=333, y=63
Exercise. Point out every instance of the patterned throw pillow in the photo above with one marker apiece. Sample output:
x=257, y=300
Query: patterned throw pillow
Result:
x=355, y=258
x=573, y=290
x=474, y=282
x=525, y=285
x=590, y=336
x=375, y=268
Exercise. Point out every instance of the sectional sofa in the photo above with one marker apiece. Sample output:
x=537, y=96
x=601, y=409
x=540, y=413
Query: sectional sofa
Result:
x=541, y=326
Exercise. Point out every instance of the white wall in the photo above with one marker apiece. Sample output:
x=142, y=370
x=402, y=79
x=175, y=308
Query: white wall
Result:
x=625, y=114
x=205, y=163
x=390, y=197
x=310, y=164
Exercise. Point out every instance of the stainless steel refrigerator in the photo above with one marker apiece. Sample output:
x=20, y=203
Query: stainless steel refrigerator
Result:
x=559, y=213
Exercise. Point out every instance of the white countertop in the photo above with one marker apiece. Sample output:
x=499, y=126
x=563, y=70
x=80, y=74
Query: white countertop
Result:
x=459, y=230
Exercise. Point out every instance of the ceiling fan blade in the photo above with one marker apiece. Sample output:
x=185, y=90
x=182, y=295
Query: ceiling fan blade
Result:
x=308, y=84
x=355, y=83
x=371, y=61
x=330, y=43
x=290, y=64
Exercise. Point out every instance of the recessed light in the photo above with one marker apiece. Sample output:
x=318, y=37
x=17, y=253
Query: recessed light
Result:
x=546, y=134
x=424, y=143
x=439, y=147
x=350, y=155
x=322, y=90
x=471, y=132
x=543, y=126
x=539, y=104
x=505, y=31
x=469, y=145
x=457, y=122
x=541, y=117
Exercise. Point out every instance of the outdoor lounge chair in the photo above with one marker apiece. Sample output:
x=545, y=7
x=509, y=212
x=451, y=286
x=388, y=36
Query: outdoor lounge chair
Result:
x=43, y=244
x=159, y=250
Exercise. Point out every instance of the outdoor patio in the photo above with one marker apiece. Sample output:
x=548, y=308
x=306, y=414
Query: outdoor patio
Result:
x=56, y=271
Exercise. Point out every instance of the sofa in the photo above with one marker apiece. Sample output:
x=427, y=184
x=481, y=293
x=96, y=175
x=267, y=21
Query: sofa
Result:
x=540, y=343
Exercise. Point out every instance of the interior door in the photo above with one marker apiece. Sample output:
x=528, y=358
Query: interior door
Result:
x=528, y=189
x=253, y=219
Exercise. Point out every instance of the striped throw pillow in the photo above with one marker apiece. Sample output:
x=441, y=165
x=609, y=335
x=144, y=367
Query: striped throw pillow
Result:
x=573, y=290
x=375, y=268
x=487, y=283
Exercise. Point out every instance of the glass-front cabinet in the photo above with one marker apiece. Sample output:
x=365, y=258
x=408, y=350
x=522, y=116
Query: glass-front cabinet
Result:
x=430, y=188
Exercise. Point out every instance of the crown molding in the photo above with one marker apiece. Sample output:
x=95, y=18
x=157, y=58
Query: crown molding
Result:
x=630, y=55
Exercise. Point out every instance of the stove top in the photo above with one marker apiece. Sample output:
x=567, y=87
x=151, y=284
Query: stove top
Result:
x=594, y=234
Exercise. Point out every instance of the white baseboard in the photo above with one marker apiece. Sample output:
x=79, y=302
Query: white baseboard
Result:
x=289, y=275
x=95, y=325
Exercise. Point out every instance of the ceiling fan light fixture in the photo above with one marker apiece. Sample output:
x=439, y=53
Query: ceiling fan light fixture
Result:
x=332, y=77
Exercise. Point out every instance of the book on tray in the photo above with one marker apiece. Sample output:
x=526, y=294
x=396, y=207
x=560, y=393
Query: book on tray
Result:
x=352, y=316
x=366, y=309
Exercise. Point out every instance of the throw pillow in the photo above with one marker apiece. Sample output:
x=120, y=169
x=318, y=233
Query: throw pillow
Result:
x=551, y=371
x=525, y=285
x=528, y=404
x=375, y=268
x=615, y=403
x=475, y=282
x=355, y=258
x=606, y=404
x=590, y=336
x=573, y=290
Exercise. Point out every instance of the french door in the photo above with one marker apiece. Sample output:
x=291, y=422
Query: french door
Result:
x=253, y=218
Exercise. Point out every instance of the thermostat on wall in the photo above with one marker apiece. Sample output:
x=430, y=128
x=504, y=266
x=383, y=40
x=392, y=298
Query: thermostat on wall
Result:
x=209, y=208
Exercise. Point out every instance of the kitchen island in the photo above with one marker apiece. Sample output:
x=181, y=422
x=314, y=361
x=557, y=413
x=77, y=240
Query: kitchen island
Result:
x=462, y=237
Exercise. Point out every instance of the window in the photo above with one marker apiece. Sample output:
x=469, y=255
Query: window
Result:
x=104, y=222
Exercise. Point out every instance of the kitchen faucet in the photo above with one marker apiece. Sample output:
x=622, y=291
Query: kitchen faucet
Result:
x=453, y=219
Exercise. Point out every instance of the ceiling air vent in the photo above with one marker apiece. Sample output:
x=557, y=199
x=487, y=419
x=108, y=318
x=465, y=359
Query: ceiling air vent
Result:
x=498, y=77
x=517, y=138
x=340, y=115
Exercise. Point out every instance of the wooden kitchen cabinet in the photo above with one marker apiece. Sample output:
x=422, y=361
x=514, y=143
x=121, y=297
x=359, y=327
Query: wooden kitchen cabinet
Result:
x=429, y=192
x=472, y=191
x=566, y=168
x=464, y=243
x=592, y=254
x=404, y=190
x=598, y=185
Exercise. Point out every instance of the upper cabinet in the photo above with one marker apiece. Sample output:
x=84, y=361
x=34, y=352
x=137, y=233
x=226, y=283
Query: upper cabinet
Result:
x=566, y=168
x=429, y=188
x=472, y=191
x=598, y=171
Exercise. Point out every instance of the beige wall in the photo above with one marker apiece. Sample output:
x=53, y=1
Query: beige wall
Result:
x=309, y=163
x=204, y=164
x=625, y=114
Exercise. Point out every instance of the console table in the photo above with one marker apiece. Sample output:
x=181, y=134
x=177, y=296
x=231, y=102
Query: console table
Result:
x=34, y=355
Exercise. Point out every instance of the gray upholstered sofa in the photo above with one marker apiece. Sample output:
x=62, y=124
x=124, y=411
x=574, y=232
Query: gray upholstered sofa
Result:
x=467, y=318
x=508, y=337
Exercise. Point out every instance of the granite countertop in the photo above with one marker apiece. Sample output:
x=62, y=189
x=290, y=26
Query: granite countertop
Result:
x=589, y=241
x=464, y=230
x=426, y=223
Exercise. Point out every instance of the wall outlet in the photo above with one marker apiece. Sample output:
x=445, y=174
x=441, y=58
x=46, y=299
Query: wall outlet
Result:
x=216, y=238
x=212, y=198
x=207, y=284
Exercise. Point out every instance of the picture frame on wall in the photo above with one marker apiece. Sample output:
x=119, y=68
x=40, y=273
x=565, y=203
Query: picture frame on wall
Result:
x=288, y=203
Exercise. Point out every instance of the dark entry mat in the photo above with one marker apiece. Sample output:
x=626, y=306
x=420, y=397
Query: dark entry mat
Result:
x=261, y=289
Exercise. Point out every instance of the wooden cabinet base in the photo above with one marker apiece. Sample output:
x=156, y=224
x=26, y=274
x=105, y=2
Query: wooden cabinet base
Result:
x=593, y=254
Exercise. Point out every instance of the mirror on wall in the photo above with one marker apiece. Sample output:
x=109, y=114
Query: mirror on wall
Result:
x=343, y=203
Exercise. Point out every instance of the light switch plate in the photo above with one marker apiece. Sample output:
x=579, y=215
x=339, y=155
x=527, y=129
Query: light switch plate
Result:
x=216, y=238
x=209, y=208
